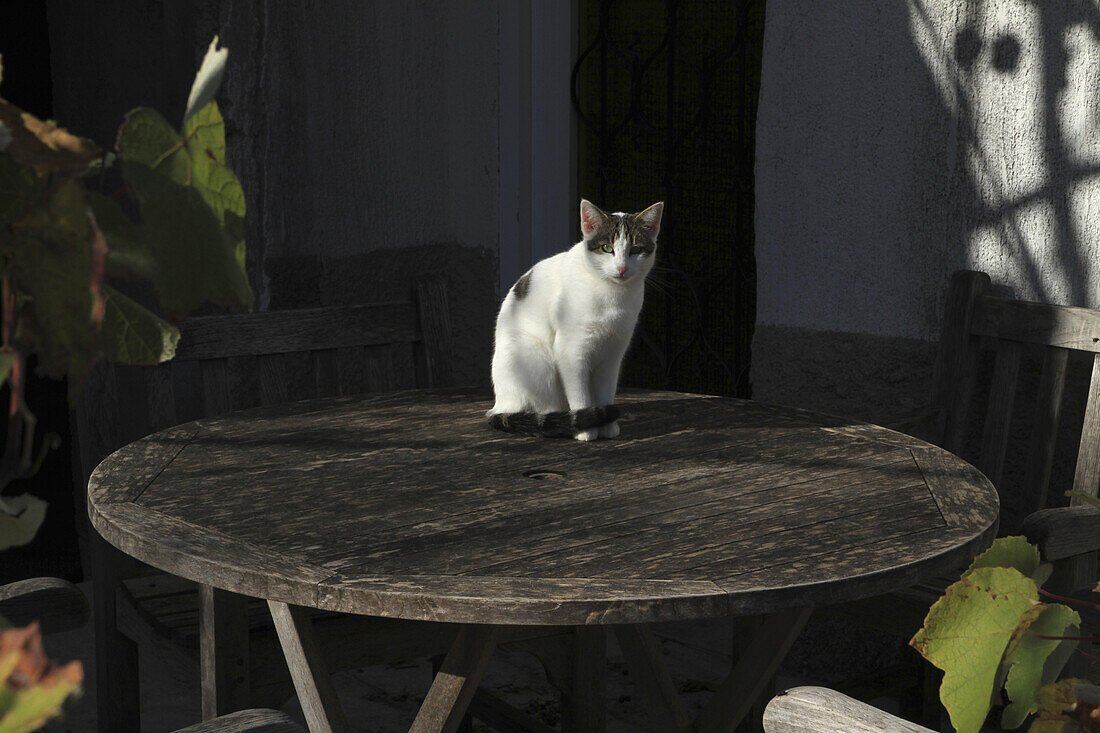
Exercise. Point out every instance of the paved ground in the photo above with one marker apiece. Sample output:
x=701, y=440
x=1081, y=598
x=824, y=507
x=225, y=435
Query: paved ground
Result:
x=385, y=699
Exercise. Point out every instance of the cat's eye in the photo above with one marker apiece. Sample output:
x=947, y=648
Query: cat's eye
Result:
x=609, y=249
x=636, y=250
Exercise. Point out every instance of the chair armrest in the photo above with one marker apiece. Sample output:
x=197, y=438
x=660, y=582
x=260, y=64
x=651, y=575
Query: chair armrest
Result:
x=1064, y=531
x=928, y=424
x=56, y=604
x=257, y=720
x=821, y=710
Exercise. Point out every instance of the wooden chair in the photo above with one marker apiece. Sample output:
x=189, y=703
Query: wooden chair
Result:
x=821, y=710
x=976, y=321
x=232, y=362
x=58, y=605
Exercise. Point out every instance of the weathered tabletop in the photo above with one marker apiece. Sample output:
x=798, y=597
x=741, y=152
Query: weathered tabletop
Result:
x=408, y=505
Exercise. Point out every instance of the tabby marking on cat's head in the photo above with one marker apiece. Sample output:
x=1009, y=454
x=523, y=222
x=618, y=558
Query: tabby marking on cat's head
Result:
x=621, y=246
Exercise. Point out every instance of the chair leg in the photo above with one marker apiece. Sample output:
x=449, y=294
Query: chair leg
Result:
x=116, y=657
x=223, y=652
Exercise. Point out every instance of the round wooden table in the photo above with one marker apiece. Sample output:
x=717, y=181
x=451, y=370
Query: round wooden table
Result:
x=407, y=505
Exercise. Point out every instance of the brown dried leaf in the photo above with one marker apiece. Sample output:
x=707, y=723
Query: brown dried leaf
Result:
x=43, y=146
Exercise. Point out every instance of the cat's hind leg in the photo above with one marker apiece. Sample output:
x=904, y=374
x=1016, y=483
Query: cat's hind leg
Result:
x=525, y=379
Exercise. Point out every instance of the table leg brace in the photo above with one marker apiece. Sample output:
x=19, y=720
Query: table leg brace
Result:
x=445, y=704
x=307, y=669
x=756, y=666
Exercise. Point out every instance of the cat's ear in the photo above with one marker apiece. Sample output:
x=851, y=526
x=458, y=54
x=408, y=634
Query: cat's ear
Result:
x=651, y=218
x=591, y=218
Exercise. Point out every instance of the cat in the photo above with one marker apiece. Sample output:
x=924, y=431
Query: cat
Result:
x=565, y=325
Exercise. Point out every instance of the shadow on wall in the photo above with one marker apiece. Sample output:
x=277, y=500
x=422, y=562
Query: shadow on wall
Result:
x=1019, y=79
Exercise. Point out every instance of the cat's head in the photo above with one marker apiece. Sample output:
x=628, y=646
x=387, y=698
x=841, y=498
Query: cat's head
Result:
x=621, y=247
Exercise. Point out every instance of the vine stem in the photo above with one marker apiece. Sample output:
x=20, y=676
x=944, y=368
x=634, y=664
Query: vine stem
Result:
x=21, y=421
x=1088, y=604
x=1064, y=638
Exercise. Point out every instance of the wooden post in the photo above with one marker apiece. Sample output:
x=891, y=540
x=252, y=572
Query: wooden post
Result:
x=584, y=708
x=223, y=652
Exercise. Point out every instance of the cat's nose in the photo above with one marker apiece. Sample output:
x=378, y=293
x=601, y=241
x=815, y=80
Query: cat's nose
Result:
x=621, y=269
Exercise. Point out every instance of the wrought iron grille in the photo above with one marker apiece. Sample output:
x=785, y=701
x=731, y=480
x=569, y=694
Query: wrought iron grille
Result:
x=665, y=93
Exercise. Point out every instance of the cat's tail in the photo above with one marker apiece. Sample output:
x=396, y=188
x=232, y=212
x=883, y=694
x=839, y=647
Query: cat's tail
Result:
x=554, y=424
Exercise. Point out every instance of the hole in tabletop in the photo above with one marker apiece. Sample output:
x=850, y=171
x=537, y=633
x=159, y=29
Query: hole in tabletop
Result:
x=540, y=474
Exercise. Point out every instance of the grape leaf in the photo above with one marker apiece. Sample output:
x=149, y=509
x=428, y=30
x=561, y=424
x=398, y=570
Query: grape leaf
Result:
x=43, y=146
x=52, y=261
x=20, y=518
x=1027, y=662
x=198, y=260
x=207, y=80
x=33, y=687
x=18, y=186
x=1009, y=552
x=134, y=335
x=966, y=634
x=128, y=253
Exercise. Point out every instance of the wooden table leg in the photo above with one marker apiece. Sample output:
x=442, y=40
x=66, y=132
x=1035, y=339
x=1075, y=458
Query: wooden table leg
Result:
x=584, y=708
x=445, y=704
x=752, y=672
x=223, y=652
x=307, y=669
x=648, y=672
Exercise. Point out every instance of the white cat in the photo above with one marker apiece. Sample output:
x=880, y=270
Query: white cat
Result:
x=565, y=325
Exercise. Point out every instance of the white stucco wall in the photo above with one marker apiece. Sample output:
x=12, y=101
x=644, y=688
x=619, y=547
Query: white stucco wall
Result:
x=899, y=141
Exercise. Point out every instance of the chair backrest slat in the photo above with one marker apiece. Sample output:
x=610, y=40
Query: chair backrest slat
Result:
x=273, y=379
x=326, y=377
x=435, y=323
x=953, y=380
x=159, y=396
x=215, y=387
x=280, y=332
x=1038, y=323
x=1044, y=426
x=998, y=416
x=1086, y=478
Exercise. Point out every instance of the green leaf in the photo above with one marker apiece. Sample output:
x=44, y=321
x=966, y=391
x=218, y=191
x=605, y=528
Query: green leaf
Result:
x=7, y=360
x=966, y=634
x=20, y=518
x=197, y=258
x=204, y=133
x=51, y=260
x=18, y=187
x=134, y=335
x=1027, y=662
x=1009, y=552
x=128, y=253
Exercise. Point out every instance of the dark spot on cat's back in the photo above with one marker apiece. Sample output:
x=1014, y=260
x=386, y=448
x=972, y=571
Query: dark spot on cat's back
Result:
x=522, y=286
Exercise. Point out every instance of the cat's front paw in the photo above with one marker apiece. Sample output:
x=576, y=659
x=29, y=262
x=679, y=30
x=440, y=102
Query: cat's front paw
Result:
x=611, y=430
x=586, y=435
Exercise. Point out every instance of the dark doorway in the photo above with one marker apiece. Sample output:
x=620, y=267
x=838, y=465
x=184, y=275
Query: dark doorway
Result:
x=665, y=93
